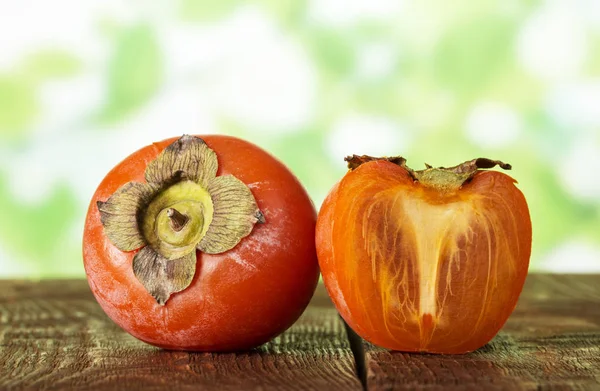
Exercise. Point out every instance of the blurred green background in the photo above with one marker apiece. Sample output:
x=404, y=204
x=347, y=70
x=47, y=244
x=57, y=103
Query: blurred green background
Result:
x=85, y=83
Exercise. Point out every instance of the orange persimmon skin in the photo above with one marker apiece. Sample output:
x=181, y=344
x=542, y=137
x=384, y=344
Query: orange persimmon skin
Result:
x=238, y=299
x=412, y=269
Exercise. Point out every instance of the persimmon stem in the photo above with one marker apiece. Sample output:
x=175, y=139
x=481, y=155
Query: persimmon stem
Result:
x=440, y=178
x=178, y=220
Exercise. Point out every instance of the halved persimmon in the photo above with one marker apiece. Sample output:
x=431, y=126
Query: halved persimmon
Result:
x=429, y=261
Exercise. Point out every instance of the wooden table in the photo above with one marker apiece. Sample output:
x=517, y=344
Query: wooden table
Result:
x=55, y=336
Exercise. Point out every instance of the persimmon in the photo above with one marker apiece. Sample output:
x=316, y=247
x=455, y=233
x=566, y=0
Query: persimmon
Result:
x=201, y=244
x=424, y=261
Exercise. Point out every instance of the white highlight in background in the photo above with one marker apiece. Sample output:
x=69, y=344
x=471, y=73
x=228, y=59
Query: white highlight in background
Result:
x=376, y=61
x=366, y=135
x=70, y=102
x=579, y=169
x=552, y=44
x=267, y=83
x=249, y=68
x=576, y=106
x=345, y=13
x=572, y=257
x=493, y=125
x=27, y=26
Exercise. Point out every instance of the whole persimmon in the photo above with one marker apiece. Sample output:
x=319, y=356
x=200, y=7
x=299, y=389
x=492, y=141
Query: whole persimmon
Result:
x=201, y=244
x=424, y=261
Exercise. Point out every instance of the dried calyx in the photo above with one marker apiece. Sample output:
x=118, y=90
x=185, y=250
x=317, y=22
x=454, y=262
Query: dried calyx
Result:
x=183, y=207
x=440, y=178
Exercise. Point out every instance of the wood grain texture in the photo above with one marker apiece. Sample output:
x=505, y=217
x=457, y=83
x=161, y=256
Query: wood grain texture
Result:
x=54, y=336
x=551, y=342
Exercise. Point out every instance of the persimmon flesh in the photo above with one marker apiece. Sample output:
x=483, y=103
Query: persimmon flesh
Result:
x=430, y=265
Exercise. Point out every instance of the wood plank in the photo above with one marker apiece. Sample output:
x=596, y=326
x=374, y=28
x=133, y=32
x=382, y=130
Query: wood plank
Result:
x=551, y=341
x=55, y=336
